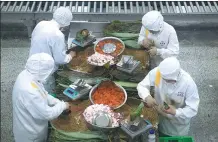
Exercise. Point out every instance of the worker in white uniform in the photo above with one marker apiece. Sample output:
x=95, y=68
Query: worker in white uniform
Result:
x=158, y=38
x=48, y=38
x=32, y=106
x=176, y=88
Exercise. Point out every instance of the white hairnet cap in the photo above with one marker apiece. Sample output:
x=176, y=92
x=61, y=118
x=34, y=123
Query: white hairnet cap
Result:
x=170, y=68
x=40, y=66
x=63, y=16
x=153, y=20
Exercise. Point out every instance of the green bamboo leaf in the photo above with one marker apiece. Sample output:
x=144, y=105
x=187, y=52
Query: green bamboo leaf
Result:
x=107, y=65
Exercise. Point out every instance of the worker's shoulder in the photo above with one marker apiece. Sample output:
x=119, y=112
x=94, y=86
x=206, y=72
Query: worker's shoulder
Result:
x=25, y=83
x=153, y=71
x=169, y=27
x=55, y=33
x=50, y=29
x=42, y=23
x=58, y=33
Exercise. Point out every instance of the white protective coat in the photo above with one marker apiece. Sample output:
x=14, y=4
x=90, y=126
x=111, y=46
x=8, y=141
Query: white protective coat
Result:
x=165, y=41
x=32, y=106
x=183, y=95
x=47, y=38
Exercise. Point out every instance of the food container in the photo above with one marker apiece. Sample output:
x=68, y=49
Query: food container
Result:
x=110, y=46
x=98, y=128
x=102, y=120
x=95, y=87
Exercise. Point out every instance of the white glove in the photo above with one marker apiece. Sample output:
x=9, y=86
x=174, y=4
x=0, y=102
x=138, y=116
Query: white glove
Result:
x=150, y=101
x=146, y=43
x=72, y=54
x=67, y=105
x=153, y=51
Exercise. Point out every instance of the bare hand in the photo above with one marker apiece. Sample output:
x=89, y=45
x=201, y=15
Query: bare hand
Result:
x=146, y=43
x=72, y=54
x=171, y=110
x=150, y=102
x=153, y=51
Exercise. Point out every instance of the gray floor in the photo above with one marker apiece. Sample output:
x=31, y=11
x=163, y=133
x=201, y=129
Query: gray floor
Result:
x=198, y=56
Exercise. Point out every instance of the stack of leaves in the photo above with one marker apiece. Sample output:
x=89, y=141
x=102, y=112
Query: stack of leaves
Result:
x=128, y=32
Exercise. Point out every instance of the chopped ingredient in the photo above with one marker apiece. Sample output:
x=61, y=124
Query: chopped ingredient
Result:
x=100, y=59
x=92, y=111
x=108, y=93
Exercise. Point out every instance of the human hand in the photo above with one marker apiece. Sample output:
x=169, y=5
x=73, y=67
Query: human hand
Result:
x=67, y=105
x=150, y=101
x=153, y=51
x=170, y=110
x=146, y=43
x=72, y=54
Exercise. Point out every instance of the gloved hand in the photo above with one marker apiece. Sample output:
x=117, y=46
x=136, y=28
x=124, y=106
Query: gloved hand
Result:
x=72, y=54
x=146, y=43
x=67, y=111
x=153, y=51
x=67, y=105
x=150, y=101
x=159, y=109
x=171, y=110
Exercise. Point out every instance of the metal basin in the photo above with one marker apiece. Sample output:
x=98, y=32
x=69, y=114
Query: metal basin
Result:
x=111, y=46
x=95, y=87
x=97, y=128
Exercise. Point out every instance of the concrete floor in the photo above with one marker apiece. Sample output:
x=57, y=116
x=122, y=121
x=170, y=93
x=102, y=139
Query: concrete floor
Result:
x=198, y=56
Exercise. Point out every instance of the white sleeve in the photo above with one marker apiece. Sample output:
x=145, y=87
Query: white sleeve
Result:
x=59, y=50
x=52, y=100
x=172, y=47
x=192, y=102
x=144, y=86
x=142, y=35
x=40, y=109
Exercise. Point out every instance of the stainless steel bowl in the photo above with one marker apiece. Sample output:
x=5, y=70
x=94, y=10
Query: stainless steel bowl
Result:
x=97, y=128
x=114, y=38
x=93, y=89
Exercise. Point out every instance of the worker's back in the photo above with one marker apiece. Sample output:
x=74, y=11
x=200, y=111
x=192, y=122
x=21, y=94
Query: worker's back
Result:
x=22, y=97
x=44, y=36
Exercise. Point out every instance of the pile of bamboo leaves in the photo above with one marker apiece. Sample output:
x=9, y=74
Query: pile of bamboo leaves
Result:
x=128, y=32
x=61, y=136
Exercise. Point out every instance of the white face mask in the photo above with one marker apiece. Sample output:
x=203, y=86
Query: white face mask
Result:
x=43, y=79
x=154, y=32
